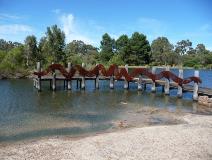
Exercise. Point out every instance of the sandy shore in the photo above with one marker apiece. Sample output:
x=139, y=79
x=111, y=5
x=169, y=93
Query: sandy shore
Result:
x=190, y=140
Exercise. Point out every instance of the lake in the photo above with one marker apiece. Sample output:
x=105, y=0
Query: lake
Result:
x=27, y=114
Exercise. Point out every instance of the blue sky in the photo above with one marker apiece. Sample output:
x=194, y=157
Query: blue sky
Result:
x=88, y=20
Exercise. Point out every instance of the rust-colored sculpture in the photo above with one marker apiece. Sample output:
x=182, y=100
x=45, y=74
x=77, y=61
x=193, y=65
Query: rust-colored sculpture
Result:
x=118, y=73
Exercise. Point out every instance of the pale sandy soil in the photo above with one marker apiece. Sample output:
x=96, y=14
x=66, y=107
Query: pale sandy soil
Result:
x=190, y=140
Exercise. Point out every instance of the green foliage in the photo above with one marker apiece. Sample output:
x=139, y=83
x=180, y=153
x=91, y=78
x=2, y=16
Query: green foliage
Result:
x=31, y=50
x=53, y=45
x=116, y=59
x=162, y=51
x=2, y=55
x=13, y=60
x=78, y=52
x=183, y=47
x=190, y=60
x=135, y=50
x=74, y=59
x=139, y=50
x=107, y=47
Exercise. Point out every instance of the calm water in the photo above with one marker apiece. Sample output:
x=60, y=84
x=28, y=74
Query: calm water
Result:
x=26, y=113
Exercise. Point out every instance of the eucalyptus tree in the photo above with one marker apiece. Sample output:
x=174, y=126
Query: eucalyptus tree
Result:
x=31, y=50
x=54, y=44
x=183, y=47
x=162, y=51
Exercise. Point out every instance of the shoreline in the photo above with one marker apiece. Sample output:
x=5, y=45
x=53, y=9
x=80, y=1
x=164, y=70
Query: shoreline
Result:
x=189, y=140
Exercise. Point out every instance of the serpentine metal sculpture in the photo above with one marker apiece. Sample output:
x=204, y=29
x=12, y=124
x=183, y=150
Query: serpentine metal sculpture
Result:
x=117, y=72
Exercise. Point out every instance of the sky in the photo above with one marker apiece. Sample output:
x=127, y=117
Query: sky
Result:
x=88, y=20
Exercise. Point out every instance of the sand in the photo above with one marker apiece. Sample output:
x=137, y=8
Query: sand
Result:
x=189, y=140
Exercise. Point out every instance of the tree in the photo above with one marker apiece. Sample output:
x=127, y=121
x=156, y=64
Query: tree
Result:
x=162, y=49
x=139, y=50
x=14, y=59
x=8, y=45
x=107, y=48
x=183, y=47
x=200, y=49
x=76, y=47
x=122, y=47
x=31, y=50
x=116, y=59
x=55, y=44
x=77, y=52
x=122, y=42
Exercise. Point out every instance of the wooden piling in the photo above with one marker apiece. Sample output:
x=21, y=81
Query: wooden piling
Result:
x=179, y=88
x=39, y=77
x=167, y=85
x=126, y=83
x=53, y=79
x=97, y=80
x=111, y=82
x=139, y=83
x=83, y=79
x=153, y=83
x=69, y=81
x=195, y=90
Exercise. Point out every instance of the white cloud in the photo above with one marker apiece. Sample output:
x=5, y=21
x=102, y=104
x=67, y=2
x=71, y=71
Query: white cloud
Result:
x=14, y=29
x=9, y=16
x=72, y=29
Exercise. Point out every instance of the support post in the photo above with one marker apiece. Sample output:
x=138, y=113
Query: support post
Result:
x=195, y=90
x=126, y=83
x=97, y=79
x=179, y=88
x=69, y=81
x=167, y=83
x=53, y=80
x=111, y=82
x=139, y=83
x=34, y=82
x=83, y=79
x=39, y=77
x=144, y=86
x=153, y=83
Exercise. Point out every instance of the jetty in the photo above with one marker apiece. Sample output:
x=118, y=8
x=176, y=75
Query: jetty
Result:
x=139, y=75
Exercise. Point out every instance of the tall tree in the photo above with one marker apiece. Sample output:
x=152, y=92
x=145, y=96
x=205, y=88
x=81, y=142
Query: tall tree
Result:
x=162, y=50
x=55, y=41
x=183, y=47
x=76, y=47
x=107, y=48
x=200, y=49
x=139, y=51
x=122, y=42
x=31, y=50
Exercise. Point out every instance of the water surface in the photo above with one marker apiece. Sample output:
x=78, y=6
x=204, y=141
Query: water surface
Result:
x=26, y=113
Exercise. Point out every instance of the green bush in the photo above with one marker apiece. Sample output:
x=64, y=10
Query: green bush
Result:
x=116, y=59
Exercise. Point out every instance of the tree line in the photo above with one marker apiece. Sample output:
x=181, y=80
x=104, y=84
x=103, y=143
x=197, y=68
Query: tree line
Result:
x=133, y=50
